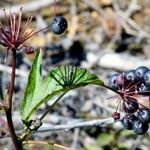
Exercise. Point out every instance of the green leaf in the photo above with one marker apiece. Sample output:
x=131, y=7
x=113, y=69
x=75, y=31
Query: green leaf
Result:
x=58, y=81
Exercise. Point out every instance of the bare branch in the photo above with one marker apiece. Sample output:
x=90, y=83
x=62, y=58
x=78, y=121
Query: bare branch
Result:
x=28, y=7
x=72, y=125
x=129, y=24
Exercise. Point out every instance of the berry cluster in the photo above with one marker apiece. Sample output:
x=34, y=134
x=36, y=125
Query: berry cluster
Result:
x=132, y=86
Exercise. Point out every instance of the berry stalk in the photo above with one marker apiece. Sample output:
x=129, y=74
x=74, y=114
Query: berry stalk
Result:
x=17, y=144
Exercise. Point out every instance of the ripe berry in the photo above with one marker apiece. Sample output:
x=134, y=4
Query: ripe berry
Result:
x=58, y=25
x=113, y=82
x=144, y=115
x=131, y=105
x=143, y=88
x=140, y=71
x=130, y=75
x=139, y=127
x=127, y=121
x=147, y=78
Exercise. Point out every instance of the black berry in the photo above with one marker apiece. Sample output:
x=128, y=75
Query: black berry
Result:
x=58, y=25
x=131, y=105
x=139, y=127
x=130, y=75
x=128, y=120
x=113, y=82
x=144, y=115
x=140, y=71
x=143, y=88
x=131, y=86
x=147, y=78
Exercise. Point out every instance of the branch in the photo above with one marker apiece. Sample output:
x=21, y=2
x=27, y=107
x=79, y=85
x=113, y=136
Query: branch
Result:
x=132, y=7
x=46, y=142
x=28, y=7
x=70, y=125
x=129, y=24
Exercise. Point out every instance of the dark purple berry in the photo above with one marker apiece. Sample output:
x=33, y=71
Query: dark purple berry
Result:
x=130, y=75
x=113, y=82
x=128, y=120
x=121, y=79
x=131, y=105
x=147, y=78
x=58, y=25
x=144, y=115
x=139, y=127
x=116, y=116
x=140, y=71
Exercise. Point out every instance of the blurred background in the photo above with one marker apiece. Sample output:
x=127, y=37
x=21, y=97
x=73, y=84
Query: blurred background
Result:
x=104, y=36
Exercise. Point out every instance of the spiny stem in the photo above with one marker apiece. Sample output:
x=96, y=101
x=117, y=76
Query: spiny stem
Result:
x=17, y=144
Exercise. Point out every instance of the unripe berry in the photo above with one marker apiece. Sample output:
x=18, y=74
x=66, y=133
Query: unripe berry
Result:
x=116, y=115
x=29, y=50
x=121, y=79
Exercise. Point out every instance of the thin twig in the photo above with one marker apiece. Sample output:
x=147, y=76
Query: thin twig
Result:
x=72, y=125
x=98, y=122
x=133, y=6
x=46, y=142
x=129, y=24
x=75, y=139
x=50, y=107
x=28, y=7
x=74, y=19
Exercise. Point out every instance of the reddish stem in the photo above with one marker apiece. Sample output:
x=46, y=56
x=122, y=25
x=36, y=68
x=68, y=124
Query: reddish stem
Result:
x=17, y=144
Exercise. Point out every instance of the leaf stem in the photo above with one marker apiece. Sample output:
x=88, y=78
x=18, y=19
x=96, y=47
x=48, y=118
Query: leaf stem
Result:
x=16, y=142
x=105, y=86
x=50, y=107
